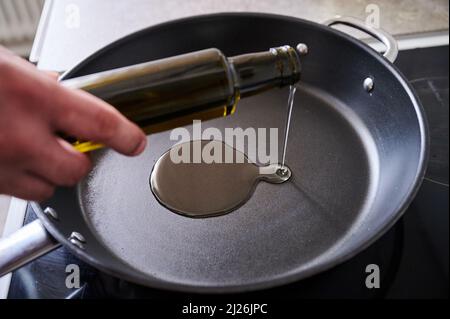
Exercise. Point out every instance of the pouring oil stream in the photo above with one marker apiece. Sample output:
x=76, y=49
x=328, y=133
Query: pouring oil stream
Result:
x=290, y=103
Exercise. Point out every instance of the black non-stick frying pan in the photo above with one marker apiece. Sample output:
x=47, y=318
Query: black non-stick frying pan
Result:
x=357, y=151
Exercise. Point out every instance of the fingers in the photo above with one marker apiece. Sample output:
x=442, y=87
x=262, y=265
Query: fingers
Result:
x=48, y=163
x=30, y=187
x=75, y=112
x=59, y=163
x=86, y=117
x=32, y=159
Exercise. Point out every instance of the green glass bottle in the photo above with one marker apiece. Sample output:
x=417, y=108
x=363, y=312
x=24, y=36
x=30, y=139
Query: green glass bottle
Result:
x=172, y=92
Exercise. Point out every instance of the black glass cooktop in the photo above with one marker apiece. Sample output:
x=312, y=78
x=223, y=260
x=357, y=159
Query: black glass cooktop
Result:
x=412, y=256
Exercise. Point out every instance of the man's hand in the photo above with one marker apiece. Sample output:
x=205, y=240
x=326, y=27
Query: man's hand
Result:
x=33, y=106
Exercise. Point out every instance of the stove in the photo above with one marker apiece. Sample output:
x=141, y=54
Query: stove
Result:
x=412, y=256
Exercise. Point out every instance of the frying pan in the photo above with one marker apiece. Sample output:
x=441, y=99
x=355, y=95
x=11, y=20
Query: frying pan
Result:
x=357, y=151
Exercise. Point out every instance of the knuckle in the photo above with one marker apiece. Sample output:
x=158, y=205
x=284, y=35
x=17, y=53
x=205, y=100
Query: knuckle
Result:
x=20, y=150
x=68, y=115
x=56, y=104
x=106, y=124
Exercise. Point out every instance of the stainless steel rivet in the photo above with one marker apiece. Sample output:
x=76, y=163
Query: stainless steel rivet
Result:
x=368, y=84
x=77, y=236
x=77, y=243
x=51, y=212
x=77, y=239
x=302, y=49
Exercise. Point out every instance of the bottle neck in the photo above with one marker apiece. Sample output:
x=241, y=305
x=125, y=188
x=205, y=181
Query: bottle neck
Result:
x=256, y=72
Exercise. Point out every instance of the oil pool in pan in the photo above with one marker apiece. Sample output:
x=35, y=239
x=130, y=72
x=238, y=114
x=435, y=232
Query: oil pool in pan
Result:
x=213, y=187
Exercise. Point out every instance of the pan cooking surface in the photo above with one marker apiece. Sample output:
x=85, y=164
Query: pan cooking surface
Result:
x=281, y=229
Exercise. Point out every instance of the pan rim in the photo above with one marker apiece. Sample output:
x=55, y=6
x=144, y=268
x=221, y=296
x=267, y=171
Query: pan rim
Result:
x=142, y=279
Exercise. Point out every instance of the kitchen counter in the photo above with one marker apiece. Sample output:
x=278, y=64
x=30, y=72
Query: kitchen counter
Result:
x=70, y=30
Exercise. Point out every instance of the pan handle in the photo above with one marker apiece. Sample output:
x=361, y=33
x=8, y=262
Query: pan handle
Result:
x=25, y=245
x=379, y=34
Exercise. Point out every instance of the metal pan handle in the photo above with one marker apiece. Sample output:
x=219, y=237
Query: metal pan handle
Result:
x=379, y=34
x=25, y=245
